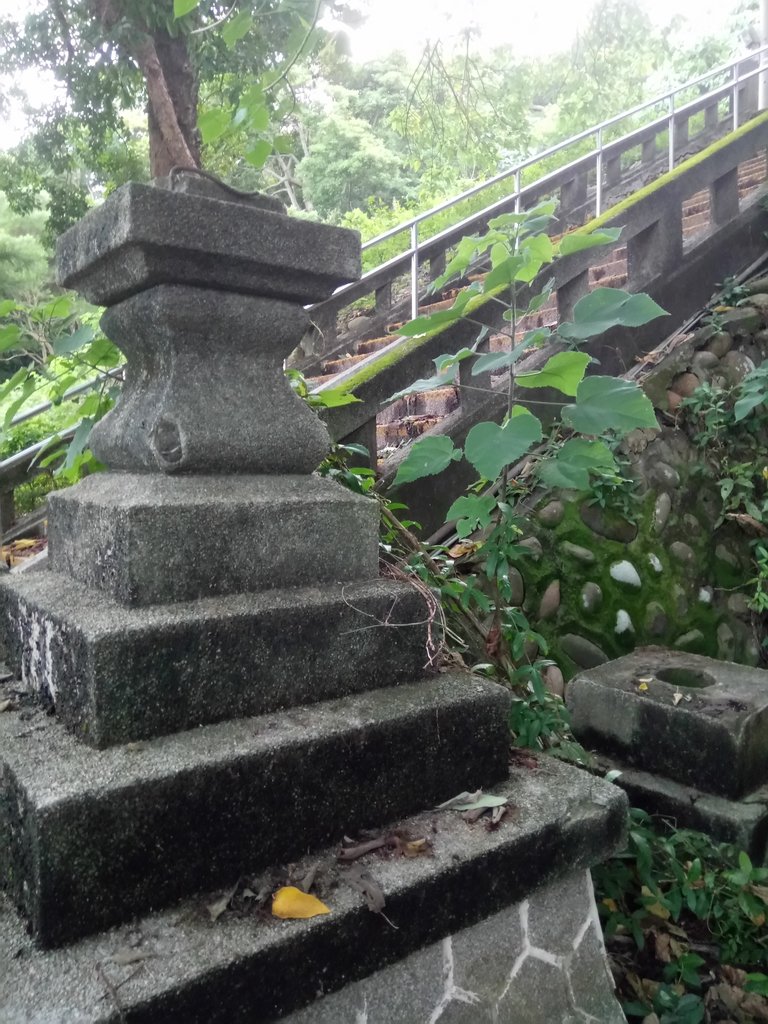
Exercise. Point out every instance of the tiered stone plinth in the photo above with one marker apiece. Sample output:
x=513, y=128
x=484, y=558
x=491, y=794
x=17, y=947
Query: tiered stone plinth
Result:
x=234, y=686
x=688, y=735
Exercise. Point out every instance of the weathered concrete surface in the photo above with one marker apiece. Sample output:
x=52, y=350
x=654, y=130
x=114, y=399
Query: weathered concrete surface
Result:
x=143, y=236
x=205, y=390
x=540, y=961
x=97, y=837
x=117, y=674
x=741, y=822
x=252, y=969
x=149, y=538
x=714, y=737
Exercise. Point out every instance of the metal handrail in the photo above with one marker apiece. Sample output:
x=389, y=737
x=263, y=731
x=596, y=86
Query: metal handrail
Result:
x=410, y=255
x=670, y=119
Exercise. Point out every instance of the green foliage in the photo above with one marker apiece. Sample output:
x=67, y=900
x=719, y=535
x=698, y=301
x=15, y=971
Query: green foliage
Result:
x=518, y=251
x=730, y=426
x=671, y=882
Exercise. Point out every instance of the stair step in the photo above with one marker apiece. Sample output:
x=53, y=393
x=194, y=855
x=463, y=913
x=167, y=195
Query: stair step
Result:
x=100, y=836
x=333, y=366
x=405, y=429
x=250, y=968
x=373, y=344
x=438, y=402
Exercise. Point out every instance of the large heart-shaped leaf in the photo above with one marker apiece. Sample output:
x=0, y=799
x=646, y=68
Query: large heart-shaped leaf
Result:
x=213, y=124
x=428, y=456
x=609, y=307
x=608, y=403
x=574, y=462
x=490, y=447
x=563, y=371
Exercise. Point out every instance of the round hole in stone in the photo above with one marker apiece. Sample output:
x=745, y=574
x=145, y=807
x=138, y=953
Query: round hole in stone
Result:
x=693, y=678
x=166, y=441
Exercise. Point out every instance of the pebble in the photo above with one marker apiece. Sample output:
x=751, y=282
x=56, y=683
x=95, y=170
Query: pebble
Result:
x=656, y=621
x=583, y=651
x=681, y=552
x=577, y=552
x=550, y=600
x=623, y=622
x=625, y=572
x=655, y=563
x=552, y=514
x=661, y=512
x=591, y=597
x=690, y=641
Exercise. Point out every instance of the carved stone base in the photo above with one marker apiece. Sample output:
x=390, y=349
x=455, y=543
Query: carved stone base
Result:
x=152, y=539
x=118, y=674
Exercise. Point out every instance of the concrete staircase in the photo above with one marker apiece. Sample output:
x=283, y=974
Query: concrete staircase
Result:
x=408, y=418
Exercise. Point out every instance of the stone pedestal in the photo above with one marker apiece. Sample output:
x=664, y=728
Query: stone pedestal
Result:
x=234, y=688
x=688, y=735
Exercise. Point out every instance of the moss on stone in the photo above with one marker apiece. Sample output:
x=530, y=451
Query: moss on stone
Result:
x=673, y=175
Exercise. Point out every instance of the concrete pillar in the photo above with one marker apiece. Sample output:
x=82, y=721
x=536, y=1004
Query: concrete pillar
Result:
x=569, y=293
x=724, y=193
x=656, y=249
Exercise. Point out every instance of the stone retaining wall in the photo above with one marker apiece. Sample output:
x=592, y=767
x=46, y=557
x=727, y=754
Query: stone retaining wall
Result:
x=600, y=582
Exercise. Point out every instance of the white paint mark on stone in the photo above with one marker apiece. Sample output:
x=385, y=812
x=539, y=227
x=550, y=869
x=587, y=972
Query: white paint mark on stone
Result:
x=37, y=659
x=625, y=572
x=451, y=991
x=705, y=595
x=361, y=1017
x=623, y=622
x=656, y=563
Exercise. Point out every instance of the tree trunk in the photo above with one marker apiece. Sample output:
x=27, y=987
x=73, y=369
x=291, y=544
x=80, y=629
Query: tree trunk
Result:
x=171, y=85
x=174, y=140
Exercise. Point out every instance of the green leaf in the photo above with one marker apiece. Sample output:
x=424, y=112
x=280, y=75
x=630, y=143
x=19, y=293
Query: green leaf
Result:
x=424, y=324
x=68, y=343
x=182, y=7
x=573, y=463
x=503, y=273
x=472, y=511
x=577, y=241
x=428, y=456
x=426, y=384
x=78, y=442
x=490, y=362
x=10, y=337
x=259, y=119
x=213, y=124
x=563, y=371
x=490, y=447
x=609, y=307
x=236, y=28
x=7, y=306
x=257, y=156
x=608, y=403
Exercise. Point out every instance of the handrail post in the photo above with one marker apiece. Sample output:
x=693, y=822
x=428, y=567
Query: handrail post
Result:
x=671, y=132
x=735, y=95
x=599, y=174
x=414, y=271
x=517, y=190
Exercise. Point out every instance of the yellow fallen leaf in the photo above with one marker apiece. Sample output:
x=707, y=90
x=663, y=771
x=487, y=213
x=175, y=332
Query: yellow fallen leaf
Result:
x=655, y=908
x=643, y=687
x=291, y=903
x=610, y=904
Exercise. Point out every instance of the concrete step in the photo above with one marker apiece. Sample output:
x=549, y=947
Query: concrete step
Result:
x=180, y=967
x=330, y=367
x=407, y=428
x=373, y=344
x=99, y=837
